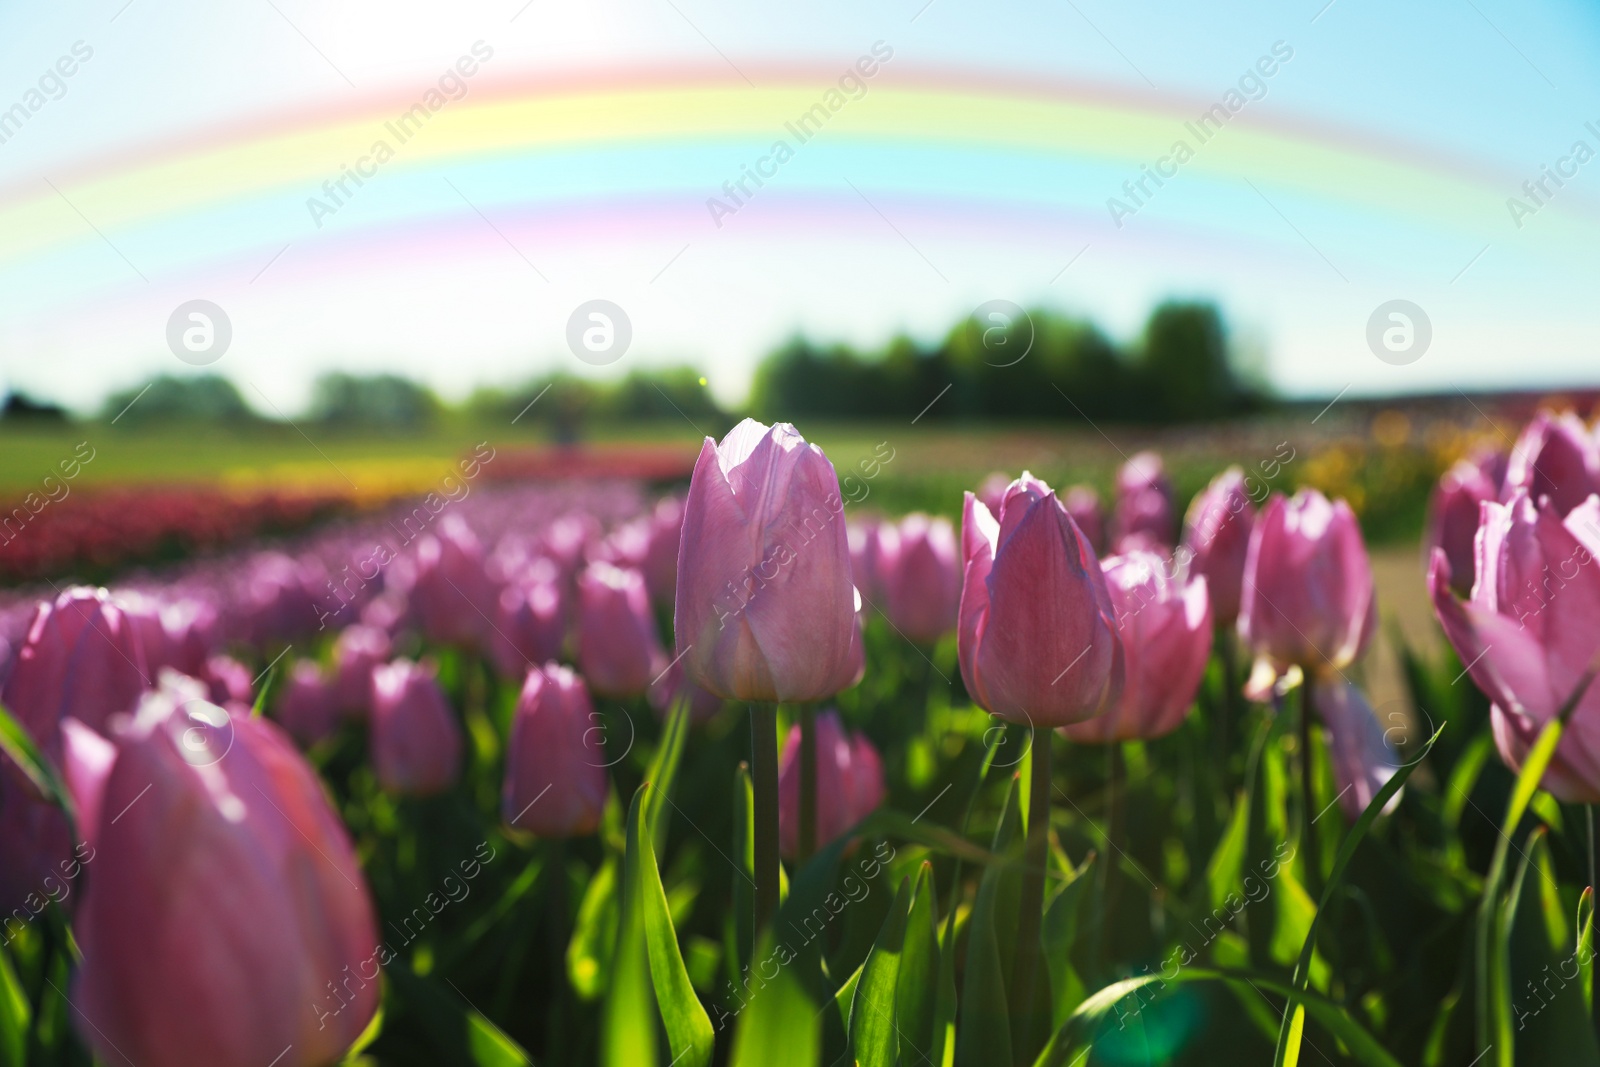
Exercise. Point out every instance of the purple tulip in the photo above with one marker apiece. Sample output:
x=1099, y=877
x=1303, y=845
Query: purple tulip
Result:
x=1037, y=635
x=82, y=658
x=1083, y=504
x=1145, y=515
x=1556, y=457
x=1530, y=632
x=416, y=743
x=920, y=577
x=1453, y=516
x=357, y=650
x=660, y=563
x=765, y=607
x=228, y=681
x=618, y=650
x=278, y=602
x=849, y=783
x=1308, y=598
x=1217, y=535
x=865, y=540
x=1358, y=745
x=555, y=764
x=308, y=709
x=225, y=902
x=1164, y=623
x=452, y=597
x=87, y=763
x=532, y=623
x=992, y=492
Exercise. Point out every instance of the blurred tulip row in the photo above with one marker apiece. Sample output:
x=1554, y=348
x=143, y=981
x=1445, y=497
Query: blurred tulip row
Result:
x=500, y=781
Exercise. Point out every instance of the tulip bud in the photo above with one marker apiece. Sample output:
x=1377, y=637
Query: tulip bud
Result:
x=532, y=624
x=225, y=902
x=416, y=743
x=1145, y=516
x=278, y=603
x=765, y=607
x=358, y=649
x=993, y=490
x=452, y=597
x=1554, y=457
x=618, y=650
x=1357, y=745
x=228, y=681
x=660, y=563
x=87, y=762
x=1453, y=516
x=1083, y=504
x=1037, y=634
x=1530, y=633
x=849, y=783
x=1164, y=623
x=920, y=578
x=1217, y=536
x=866, y=551
x=555, y=765
x=82, y=658
x=308, y=709
x=1308, y=598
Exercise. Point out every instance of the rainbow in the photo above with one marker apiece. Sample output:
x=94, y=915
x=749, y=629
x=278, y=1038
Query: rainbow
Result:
x=650, y=150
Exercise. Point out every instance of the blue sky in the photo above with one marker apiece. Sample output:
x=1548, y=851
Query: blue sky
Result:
x=1482, y=89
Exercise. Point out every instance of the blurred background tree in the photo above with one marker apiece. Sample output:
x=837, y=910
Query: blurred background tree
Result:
x=171, y=398
x=381, y=402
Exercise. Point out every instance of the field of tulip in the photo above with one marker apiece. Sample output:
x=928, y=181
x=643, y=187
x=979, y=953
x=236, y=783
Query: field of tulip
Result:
x=587, y=772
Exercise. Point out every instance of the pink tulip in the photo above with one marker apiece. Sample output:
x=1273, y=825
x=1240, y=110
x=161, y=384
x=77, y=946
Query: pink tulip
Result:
x=1164, y=623
x=865, y=540
x=279, y=599
x=1145, y=515
x=452, y=597
x=1037, y=635
x=618, y=650
x=416, y=743
x=308, y=709
x=555, y=764
x=660, y=563
x=920, y=577
x=1308, y=599
x=228, y=681
x=993, y=490
x=1453, y=516
x=87, y=763
x=532, y=624
x=1358, y=745
x=1556, y=457
x=1217, y=535
x=224, y=902
x=357, y=650
x=1083, y=504
x=765, y=608
x=82, y=658
x=849, y=783
x=1530, y=632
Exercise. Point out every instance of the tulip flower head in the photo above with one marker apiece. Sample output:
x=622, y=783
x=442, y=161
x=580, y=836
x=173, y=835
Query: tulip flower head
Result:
x=1530, y=631
x=555, y=765
x=1145, y=515
x=1164, y=623
x=225, y=898
x=1037, y=634
x=618, y=650
x=1453, y=515
x=1217, y=537
x=920, y=577
x=849, y=783
x=765, y=604
x=1555, y=456
x=1308, y=596
x=416, y=742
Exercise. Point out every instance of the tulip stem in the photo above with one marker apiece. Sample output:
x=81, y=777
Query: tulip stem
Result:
x=808, y=783
x=1308, y=816
x=764, y=768
x=1026, y=1024
x=1594, y=1001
